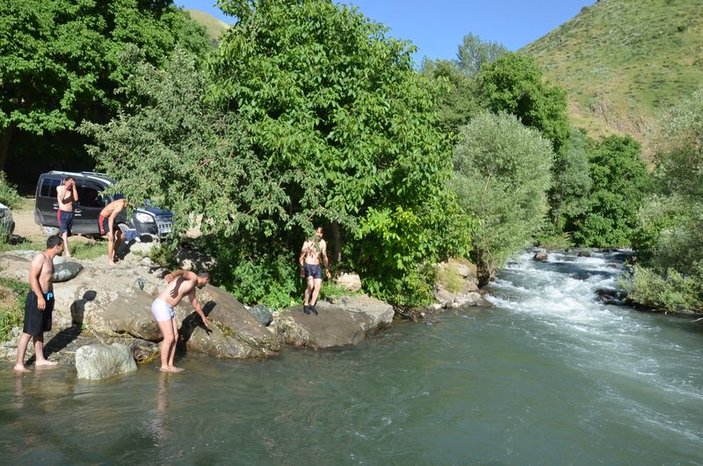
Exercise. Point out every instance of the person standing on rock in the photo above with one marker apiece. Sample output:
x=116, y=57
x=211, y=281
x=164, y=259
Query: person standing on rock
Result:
x=66, y=195
x=181, y=283
x=312, y=251
x=39, y=305
x=106, y=223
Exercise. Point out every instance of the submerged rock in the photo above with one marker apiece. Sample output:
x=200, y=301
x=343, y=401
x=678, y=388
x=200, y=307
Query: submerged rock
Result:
x=97, y=362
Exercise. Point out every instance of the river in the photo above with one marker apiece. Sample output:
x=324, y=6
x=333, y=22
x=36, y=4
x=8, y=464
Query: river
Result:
x=546, y=376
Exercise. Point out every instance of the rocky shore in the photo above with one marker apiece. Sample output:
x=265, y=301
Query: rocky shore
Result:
x=108, y=308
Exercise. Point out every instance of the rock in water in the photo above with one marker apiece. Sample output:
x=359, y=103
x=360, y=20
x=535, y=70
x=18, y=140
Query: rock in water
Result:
x=97, y=362
x=65, y=271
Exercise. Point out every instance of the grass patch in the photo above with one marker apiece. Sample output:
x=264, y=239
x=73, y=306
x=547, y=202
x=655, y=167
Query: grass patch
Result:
x=449, y=278
x=88, y=250
x=12, y=293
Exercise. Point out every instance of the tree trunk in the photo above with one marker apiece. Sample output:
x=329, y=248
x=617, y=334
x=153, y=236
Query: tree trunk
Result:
x=5, y=144
x=337, y=240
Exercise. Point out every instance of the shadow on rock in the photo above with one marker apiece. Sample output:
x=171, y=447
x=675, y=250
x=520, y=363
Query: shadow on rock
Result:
x=189, y=325
x=78, y=307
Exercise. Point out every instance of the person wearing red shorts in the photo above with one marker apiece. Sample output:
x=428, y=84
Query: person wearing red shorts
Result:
x=106, y=223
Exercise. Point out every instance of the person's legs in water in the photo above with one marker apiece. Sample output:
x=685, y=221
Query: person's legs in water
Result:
x=41, y=361
x=172, y=355
x=21, y=350
x=166, y=327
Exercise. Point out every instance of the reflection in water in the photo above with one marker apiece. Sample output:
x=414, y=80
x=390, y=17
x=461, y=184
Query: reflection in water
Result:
x=156, y=426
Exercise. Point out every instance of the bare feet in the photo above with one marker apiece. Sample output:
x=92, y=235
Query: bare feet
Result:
x=173, y=369
x=20, y=368
x=46, y=363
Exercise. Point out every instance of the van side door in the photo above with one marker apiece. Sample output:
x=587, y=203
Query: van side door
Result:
x=90, y=203
x=46, y=205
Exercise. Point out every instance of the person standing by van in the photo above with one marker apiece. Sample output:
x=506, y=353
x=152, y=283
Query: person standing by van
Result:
x=66, y=195
x=106, y=223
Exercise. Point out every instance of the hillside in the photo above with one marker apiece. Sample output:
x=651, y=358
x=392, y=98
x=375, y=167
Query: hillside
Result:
x=213, y=26
x=624, y=61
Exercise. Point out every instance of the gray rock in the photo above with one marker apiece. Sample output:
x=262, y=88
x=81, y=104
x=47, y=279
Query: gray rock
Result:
x=234, y=332
x=345, y=323
x=64, y=271
x=97, y=362
x=262, y=313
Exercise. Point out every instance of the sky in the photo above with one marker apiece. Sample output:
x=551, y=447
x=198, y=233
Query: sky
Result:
x=437, y=27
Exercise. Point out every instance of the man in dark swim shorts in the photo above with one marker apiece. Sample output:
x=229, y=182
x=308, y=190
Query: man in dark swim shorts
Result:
x=312, y=251
x=39, y=304
x=67, y=196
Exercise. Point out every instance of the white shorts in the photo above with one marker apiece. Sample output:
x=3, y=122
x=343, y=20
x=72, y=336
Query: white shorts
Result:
x=162, y=310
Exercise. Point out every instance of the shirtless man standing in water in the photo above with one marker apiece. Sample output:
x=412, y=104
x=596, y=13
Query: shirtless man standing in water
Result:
x=313, y=249
x=39, y=305
x=181, y=283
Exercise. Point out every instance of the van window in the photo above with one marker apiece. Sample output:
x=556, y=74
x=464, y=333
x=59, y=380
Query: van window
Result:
x=48, y=187
x=89, y=197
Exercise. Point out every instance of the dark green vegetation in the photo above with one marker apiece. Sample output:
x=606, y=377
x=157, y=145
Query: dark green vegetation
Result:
x=669, y=239
x=60, y=63
x=624, y=62
x=12, y=295
x=306, y=113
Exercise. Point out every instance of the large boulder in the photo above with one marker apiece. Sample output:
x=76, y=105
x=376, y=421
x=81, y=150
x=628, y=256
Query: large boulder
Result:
x=97, y=362
x=234, y=332
x=344, y=323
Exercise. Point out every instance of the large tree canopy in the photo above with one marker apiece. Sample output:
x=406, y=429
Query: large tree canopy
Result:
x=514, y=83
x=60, y=60
x=337, y=112
x=502, y=174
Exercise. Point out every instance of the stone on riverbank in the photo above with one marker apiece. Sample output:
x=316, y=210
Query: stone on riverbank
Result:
x=347, y=322
x=97, y=362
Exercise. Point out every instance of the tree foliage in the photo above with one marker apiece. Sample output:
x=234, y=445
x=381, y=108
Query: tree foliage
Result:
x=514, y=84
x=60, y=60
x=502, y=174
x=340, y=117
x=474, y=53
x=620, y=182
x=174, y=148
x=569, y=196
x=669, y=238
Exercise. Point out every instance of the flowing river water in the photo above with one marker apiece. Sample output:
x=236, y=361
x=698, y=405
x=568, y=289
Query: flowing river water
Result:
x=547, y=376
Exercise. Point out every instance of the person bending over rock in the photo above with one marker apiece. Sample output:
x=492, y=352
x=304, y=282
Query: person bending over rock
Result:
x=106, y=223
x=180, y=283
x=39, y=304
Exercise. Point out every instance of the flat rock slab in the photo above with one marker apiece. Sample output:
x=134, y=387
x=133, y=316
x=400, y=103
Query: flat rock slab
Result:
x=344, y=323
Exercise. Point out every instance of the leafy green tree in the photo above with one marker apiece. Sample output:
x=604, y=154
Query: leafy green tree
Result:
x=620, y=182
x=514, y=83
x=569, y=196
x=502, y=174
x=184, y=154
x=341, y=119
x=61, y=60
x=474, y=53
x=456, y=94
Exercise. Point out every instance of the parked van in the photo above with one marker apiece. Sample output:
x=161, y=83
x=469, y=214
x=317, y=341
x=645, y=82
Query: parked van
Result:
x=145, y=220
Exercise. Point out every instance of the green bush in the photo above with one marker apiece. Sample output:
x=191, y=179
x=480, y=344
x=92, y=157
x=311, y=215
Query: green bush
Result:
x=672, y=291
x=12, y=293
x=8, y=193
